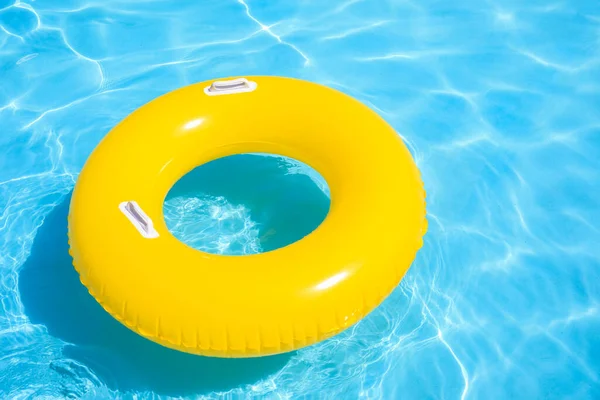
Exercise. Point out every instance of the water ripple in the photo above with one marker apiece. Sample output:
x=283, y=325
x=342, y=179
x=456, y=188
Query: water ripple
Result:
x=268, y=30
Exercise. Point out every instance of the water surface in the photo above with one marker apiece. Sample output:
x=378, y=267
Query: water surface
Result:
x=498, y=103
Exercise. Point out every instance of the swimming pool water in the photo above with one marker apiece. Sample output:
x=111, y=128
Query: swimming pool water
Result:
x=499, y=102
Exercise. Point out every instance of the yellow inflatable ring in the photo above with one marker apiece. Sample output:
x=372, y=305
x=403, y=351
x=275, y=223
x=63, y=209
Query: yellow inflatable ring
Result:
x=243, y=306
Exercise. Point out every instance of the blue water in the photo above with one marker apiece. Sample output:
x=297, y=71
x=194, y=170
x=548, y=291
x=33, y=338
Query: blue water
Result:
x=498, y=101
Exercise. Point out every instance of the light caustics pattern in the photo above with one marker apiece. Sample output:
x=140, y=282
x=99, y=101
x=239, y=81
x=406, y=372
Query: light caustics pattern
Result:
x=497, y=101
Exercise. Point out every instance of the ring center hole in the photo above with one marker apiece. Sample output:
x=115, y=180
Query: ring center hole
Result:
x=246, y=204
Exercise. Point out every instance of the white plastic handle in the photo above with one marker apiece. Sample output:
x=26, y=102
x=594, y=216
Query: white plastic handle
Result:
x=240, y=85
x=139, y=219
